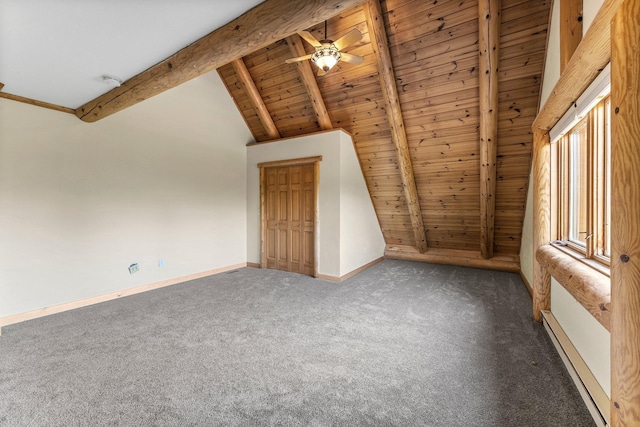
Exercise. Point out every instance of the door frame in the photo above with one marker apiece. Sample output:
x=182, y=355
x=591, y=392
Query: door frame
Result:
x=315, y=160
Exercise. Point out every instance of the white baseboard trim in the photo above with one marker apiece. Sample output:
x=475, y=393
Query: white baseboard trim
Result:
x=592, y=393
x=350, y=274
x=16, y=318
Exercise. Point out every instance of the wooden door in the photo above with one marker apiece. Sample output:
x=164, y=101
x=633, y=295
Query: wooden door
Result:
x=289, y=195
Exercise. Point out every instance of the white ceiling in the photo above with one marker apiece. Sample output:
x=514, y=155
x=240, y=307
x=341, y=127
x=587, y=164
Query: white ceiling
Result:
x=57, y=51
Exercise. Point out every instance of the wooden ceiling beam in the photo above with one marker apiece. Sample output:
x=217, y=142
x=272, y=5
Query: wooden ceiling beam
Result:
x=266, y=23
x=256, y=99
x=380, y=46
x=35, y=102
x=489, y=46
x=309, y=81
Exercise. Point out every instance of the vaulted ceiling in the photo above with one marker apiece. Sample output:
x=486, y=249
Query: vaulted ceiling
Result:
x=434, y=54
x=444, y=188
x=57, y=51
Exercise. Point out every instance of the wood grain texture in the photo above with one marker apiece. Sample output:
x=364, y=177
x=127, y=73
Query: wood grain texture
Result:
x=489, y=51
x=591, y=56
x=570, y=29
x=290, y=200
x=465, y=258
x=625, y=214
x=309, y=81
x=290, y=162
x=256, y=99
x=434, y=55
x=36, y=103
x=378, y=34
x=275, y=19
x=588, y=286
x=541, y=220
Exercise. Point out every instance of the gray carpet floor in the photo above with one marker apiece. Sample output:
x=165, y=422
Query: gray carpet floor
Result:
x=400, y=344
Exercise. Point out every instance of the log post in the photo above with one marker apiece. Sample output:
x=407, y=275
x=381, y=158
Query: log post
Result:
x=625, y=215
x=309, y=81
x=570, y=29
x=380, y=46
x=489, y=44
x=254, y=95
x=541, y=219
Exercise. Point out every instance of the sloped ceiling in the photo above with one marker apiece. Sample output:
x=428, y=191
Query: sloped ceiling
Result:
x=434, y=52
x=57, y=51
x=434, y=56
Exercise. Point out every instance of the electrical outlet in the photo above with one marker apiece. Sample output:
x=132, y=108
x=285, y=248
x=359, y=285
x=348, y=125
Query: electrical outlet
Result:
x=133, y=268
x=160, y=262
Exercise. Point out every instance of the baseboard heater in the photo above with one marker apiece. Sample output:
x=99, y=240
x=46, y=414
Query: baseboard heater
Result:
x=594, y=397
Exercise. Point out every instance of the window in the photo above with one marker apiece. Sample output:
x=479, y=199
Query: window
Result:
x=577, y=185
x=581, y=170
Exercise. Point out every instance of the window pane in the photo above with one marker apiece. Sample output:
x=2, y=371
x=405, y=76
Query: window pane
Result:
x=578, y=185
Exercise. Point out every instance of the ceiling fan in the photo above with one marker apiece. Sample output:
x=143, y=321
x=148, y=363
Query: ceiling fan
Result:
x=328, y=52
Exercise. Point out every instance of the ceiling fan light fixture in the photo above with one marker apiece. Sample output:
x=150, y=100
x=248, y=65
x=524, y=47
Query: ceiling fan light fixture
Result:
x=326, y=57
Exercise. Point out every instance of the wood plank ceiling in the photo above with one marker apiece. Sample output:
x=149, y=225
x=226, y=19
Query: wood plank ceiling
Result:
x=434, y=49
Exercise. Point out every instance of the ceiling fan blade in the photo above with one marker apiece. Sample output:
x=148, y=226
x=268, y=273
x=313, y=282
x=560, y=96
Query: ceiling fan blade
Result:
x=348, y=39
x=297, y=59
x=308, y=37
x=352, y=59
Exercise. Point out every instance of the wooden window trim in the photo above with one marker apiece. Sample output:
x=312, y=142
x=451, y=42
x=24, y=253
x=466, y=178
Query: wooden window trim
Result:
x=593, y=252
x=578, y=128
x=580, y=257
x=596, y=127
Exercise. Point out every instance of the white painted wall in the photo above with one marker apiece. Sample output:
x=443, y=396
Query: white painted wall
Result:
x=325, y=145
x=552, y=60
x=526, y=242
x=361, y=239
x=550, y=78
x=589, y=337
x=79, y=202
x=589, y=10
x=343, y=201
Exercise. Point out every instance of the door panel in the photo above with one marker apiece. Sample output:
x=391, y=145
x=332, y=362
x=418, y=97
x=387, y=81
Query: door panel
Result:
x=282, y=254
x=290, y=201
x=271, y=220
